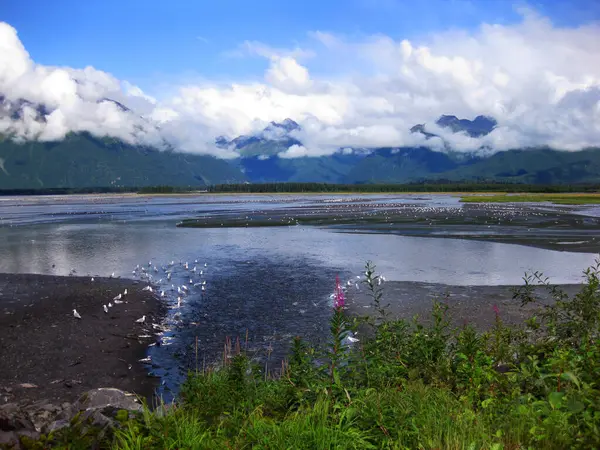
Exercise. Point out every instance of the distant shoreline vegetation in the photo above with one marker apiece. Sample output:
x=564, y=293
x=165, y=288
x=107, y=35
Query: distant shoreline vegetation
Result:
x=266, y=188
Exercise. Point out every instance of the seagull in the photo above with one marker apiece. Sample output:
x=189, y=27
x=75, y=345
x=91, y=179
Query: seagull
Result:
x=76, y=314
x=141, y=319
x=118, y=297
x=147, y=288
x=110, y=304
x=205, y=265
x=105, y=308
x=125, y=292
x=203, y=288
x=112, y=275
x=162, y=293
x=92, y=279
x=179, y=302
x=191, y=281
x=118, y=302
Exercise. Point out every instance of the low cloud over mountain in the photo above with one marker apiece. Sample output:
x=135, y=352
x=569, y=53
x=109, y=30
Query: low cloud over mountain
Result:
x=540, y=82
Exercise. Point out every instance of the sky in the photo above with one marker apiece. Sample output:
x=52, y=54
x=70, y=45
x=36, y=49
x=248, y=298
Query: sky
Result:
x=353, y=73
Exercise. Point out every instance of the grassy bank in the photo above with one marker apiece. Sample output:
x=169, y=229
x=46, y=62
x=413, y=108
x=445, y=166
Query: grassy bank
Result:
x=406, y=384
x=560, y=199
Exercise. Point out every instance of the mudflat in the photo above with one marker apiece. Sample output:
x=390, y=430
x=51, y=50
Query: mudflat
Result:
x=48, y=354
x=474, y=305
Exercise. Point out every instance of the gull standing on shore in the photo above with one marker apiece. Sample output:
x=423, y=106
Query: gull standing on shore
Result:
x=141, y=319
x=76, y=314
x=105, y=308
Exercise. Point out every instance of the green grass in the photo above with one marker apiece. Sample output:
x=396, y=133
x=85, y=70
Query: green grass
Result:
x=560, y=199
x=405, y=385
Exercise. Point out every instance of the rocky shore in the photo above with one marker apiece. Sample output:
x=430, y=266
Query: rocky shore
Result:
x=88, y=420
x=50, y=357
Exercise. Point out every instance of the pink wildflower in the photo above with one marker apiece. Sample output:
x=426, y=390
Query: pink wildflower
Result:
x=339, y=294
x=496, y=310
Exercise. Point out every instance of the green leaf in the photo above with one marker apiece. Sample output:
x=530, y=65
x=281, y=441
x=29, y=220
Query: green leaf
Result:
x=570, y=376
x=574, y=406
x=555, y=399
x=336, y=377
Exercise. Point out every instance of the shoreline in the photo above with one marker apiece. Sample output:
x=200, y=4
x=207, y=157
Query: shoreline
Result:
x=46, y=353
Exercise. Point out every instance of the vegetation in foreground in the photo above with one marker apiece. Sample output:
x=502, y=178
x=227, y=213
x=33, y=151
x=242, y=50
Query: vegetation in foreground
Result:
x=560, y=199
x=405, y=385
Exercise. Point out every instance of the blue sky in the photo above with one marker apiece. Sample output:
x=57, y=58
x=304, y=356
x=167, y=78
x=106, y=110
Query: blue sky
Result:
x=146, y=41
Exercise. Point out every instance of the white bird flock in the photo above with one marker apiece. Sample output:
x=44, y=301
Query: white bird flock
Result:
x=144, y=273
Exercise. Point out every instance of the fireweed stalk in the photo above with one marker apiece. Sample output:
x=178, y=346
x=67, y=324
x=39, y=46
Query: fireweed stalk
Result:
x=338, y=330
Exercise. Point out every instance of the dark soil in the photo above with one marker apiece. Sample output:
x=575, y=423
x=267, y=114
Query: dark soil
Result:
x=47, y=353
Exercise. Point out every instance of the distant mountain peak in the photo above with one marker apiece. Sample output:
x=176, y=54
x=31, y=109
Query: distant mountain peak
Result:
x=420, y=128
x=480, y=126
x=288, y=125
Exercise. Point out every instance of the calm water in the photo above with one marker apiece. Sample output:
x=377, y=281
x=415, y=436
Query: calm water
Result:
x=271, y=282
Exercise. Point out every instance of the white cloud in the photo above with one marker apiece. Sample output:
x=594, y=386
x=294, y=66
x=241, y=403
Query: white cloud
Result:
x=541, y=82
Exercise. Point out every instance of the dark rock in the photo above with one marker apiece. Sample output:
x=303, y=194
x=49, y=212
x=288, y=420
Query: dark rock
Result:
x=14, y=419
x=8, y=439
x=107, y=397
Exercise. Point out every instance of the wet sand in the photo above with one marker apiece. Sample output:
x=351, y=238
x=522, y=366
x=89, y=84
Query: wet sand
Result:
x=46, y=353
x=540, y=225
x=466, y=304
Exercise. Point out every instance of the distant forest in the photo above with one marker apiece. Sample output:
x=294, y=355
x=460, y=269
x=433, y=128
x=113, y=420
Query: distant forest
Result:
x=412, y=187
x=260, y=188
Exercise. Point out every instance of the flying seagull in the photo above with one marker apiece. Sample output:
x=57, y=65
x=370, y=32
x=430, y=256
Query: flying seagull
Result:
x=76, y=314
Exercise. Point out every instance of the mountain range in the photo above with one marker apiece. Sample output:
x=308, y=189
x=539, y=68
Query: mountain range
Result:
x=84, y=160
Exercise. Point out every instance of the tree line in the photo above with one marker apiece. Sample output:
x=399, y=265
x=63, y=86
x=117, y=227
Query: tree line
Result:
x=265, y=188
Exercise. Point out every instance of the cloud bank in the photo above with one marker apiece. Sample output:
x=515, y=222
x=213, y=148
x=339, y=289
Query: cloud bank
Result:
x=540, y=82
